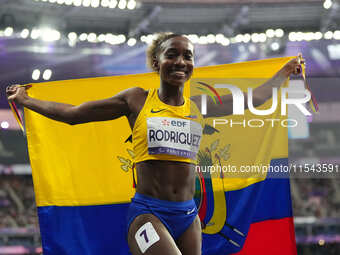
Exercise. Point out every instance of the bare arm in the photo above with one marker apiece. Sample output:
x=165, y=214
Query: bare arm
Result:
x=260, y=95
x=100, y=110
x=264, y=92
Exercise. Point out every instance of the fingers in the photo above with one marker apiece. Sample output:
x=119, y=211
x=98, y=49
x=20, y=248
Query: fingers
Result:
x=17, y=86
x=13, y=90
x=294, y=66
x=297, y=64
x=298, y=70
x=10, y=88
x=300, y=59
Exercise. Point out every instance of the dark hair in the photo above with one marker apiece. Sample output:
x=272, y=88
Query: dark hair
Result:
x=155, y=46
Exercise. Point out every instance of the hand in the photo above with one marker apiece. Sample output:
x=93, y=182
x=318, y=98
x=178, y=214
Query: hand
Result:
x=17, y=93
x=294, y=66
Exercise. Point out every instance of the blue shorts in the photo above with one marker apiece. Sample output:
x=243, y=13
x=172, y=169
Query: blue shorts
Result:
x=176, y=216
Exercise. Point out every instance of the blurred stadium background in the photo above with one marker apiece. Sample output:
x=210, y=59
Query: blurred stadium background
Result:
x=44, y=40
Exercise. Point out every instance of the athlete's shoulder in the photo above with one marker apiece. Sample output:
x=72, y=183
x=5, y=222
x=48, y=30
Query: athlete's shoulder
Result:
x=135, y=94
x=136, y=97
x=136, y=91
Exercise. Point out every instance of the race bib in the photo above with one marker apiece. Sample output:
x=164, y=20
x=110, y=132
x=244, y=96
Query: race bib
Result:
x=173, y=136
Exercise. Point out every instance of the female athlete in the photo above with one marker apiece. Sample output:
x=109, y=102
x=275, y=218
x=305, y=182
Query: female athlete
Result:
x=162, y=218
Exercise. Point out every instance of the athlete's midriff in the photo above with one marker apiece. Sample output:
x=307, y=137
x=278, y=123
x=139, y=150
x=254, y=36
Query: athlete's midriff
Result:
x=166, y=180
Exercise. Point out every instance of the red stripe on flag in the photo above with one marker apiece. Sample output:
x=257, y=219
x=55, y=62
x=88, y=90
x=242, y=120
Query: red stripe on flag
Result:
x=203, y=208
x=270, y=237
x=16, y=111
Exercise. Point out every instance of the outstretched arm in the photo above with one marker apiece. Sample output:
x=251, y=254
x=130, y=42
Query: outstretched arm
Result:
x=264, y=92
x=260, y=95
x=100, y=110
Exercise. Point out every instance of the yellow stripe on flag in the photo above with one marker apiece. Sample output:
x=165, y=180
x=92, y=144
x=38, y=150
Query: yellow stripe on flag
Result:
x=88, y=164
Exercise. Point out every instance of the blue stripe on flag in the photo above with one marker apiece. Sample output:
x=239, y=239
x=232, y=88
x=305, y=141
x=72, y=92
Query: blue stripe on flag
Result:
x=83, y=230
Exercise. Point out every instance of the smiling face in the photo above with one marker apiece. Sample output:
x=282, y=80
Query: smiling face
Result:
x=175, y=60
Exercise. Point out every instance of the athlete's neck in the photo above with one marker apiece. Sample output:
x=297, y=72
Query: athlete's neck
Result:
x=171, y=95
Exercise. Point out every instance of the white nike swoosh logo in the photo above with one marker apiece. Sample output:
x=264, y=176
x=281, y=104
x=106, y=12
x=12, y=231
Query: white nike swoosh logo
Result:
x=191, y=211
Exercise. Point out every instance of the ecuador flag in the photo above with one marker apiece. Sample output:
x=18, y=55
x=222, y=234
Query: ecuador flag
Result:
x=83, y=174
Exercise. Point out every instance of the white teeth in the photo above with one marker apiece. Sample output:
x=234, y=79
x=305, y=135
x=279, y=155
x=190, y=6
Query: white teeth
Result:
x=179, y=73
